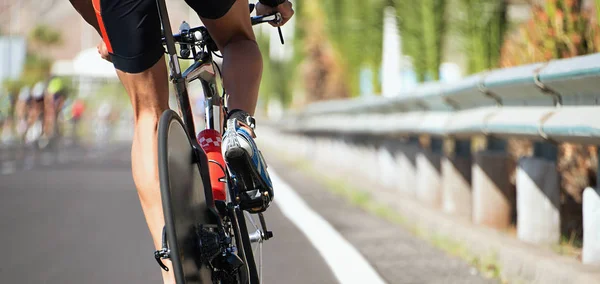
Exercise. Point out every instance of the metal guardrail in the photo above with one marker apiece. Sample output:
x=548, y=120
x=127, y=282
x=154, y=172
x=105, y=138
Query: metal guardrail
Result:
x=557, y=101
x=548, y=103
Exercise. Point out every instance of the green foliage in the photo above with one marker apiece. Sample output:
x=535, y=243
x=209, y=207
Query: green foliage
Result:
x=37, y=68
x=556, y=29
x=334, y=40
x=276, y=80
x=434, y=16
x=44, y=35
x=597, y=4
x=483, y=30
x=12, y=86
x=38, y=65
x=266, y=84
x=423, y=27
x=355, y=30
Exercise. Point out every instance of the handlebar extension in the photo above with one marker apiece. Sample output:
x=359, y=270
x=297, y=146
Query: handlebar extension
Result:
x=196, y=34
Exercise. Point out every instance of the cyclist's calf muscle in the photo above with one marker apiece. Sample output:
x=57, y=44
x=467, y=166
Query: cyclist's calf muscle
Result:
x=242, y=59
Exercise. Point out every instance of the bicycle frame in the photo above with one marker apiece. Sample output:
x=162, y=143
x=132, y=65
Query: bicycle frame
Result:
x=199, y=70
x=176, y=76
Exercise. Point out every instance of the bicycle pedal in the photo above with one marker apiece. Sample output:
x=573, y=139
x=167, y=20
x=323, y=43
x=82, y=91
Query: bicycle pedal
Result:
x=254, y=201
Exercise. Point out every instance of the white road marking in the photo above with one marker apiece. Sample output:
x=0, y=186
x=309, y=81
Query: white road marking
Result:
x=346, y=263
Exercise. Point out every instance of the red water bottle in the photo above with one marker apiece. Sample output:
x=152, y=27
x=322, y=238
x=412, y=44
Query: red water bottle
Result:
x=210, y=141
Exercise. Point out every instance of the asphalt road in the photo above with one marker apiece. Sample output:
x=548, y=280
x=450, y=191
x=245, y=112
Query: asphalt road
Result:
x=80, y=222
x=73, y=216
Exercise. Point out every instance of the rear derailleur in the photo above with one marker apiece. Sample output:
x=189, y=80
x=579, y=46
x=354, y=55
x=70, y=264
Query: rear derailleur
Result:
x=212, y=248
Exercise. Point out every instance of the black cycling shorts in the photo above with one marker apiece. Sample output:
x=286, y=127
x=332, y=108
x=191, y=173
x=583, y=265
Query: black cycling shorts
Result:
x=131, y=29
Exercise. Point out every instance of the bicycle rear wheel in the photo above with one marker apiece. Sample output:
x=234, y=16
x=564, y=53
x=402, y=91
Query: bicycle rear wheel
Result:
x=184, y=199
x=252, y=241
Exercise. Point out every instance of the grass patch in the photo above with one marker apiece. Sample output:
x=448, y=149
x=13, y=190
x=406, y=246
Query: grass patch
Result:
x=569, y=246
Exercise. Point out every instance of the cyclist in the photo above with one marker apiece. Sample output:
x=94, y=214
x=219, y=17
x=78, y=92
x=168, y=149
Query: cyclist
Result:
x=77, y=110
x=21, y=111
x=5, y=115
x=131, y=35
x=36, y=113
x=53, y=104
x=102, y=122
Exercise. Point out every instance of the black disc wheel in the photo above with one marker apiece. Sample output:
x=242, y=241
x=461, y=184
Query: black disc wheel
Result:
x=184, y=198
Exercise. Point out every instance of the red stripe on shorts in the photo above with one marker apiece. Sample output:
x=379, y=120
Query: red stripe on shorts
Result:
x=97, y=8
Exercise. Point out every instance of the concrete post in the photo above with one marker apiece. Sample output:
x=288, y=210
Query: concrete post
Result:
x=538, y=197
x=429, y=178
x=591, y=227
x=492, y=193
x=407, y=168
x=456, y=181
x=387, y=167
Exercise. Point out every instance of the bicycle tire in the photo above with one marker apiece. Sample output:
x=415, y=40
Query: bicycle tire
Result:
x=184, y=199
x=247, y=246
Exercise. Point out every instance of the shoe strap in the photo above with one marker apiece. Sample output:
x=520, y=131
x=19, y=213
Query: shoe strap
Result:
x=243, y=119
x=242, y=116
x=251, y=122
x=247, y=127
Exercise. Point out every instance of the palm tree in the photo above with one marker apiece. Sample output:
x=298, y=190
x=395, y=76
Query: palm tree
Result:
x=355, y=30
x=423, y=28
x=38, y=64
x=45, y=36
x=483, y=29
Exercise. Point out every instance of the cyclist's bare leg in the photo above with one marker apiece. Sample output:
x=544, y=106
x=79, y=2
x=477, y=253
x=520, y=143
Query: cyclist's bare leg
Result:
x=58, y=106
x=148, y=92
x=34, y=113
x=242, y=60
x=49, y=115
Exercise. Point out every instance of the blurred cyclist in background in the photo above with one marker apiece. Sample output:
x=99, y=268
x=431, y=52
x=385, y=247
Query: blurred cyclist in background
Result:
x=77, y=110
x=36, y=113
x=5, y=116
x=54, y=101
x=102, y=123
x=22, y=112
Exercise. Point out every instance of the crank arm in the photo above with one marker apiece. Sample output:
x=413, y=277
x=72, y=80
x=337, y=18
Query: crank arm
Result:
x=267, y=234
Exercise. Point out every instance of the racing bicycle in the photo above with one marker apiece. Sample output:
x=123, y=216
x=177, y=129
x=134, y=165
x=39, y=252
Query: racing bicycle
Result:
x=214, y=223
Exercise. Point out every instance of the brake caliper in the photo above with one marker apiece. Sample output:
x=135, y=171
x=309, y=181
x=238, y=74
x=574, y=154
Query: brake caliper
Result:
x=164, y=252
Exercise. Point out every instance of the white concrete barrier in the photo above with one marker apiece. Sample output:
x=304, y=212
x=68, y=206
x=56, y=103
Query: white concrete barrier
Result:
x=492, y=194
x=407, y=170
x=591, y=227
x=387, y=168
x=456, y=186
x=429, y=178
x=538, y=201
